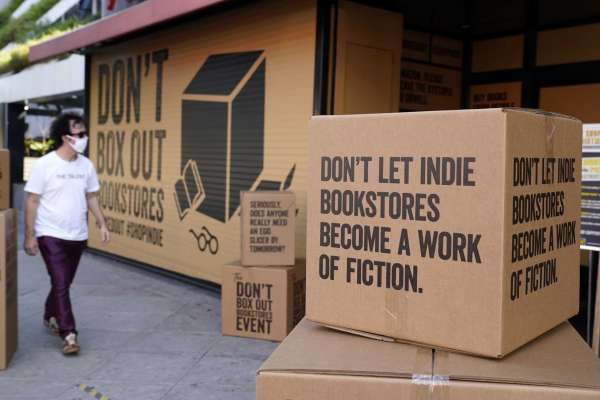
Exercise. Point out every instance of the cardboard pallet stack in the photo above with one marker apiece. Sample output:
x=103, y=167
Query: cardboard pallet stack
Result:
x=451, y=237
x=8, y=266
x=262, y=296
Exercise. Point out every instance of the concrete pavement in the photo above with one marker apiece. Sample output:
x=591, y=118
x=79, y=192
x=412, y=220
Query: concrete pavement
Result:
x=143, y=336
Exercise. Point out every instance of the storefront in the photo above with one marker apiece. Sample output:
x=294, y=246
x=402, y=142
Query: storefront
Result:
x=29, y=121
x=189, y=105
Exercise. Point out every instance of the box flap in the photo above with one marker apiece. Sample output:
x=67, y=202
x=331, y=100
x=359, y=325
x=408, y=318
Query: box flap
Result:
x=559, y=358
x=315, y=349
x=539, y=112
x=452, y=112
x=375, y=336
x=363, y=334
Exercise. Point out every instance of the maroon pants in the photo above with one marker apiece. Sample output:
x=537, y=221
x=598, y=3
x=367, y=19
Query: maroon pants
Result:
x=61, y=258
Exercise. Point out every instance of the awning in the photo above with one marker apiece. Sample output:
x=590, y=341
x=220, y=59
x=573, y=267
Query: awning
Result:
x=136, y=18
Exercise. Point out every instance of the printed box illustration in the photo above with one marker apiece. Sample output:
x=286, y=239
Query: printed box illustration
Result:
x=268, y=225
x=453, y=229
x=315, y=362
x=222, y=130
x=262, y=302
x=8, y=286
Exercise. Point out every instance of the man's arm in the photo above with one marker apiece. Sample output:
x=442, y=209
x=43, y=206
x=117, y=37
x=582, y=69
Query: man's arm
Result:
x=32, y=203
x=94, y=207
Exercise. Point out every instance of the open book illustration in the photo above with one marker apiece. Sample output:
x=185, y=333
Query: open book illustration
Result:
x=189, y=192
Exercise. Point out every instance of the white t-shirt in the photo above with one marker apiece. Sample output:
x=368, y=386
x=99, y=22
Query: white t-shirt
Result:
x=62, y=186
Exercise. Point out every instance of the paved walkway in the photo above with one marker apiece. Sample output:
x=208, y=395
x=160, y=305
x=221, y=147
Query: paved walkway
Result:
x=143, y=336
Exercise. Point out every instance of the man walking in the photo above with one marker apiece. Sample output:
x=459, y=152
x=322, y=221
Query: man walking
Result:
x=61, y=188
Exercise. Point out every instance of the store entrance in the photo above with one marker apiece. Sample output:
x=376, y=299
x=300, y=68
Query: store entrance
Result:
x=390, y=56
x=29, y=134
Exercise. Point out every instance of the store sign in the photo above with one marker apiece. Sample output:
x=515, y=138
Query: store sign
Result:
x=590, y=188
x=426, y=87
x=496, y=95
x=440, y=50
x=180, y=126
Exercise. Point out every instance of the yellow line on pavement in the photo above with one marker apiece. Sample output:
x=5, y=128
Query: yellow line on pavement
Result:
x=92, y=392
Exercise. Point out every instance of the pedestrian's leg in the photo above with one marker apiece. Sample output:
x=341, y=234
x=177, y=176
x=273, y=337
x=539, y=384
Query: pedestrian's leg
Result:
x=49, y=309
x=58, y=262
x=75, y=250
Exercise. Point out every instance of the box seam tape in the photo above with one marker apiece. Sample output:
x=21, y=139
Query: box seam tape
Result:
x=430, y=386
x=430, y=380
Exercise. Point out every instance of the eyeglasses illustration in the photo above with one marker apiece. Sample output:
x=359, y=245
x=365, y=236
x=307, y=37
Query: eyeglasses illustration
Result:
x=206, y=240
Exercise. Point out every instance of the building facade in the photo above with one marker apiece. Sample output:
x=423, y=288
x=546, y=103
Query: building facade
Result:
x=190, y=103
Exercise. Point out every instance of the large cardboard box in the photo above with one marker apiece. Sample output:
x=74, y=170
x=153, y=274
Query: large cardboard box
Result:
x=268, y=228
x=262, y=302
x=454, y=229
x=8, y=286
x=315, y=363
x=4, y=179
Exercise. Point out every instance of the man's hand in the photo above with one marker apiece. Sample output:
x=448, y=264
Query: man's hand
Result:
x=94, y=207
x=104, y=234
x=31, y=245
x=31, y=205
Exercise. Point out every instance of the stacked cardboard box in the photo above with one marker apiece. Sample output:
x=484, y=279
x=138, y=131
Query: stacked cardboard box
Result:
x=8, y=286
x=315, y=363
x=454, y=230
x=263, y=296
x=4, y=179
x=268, y=224
x=8, y=266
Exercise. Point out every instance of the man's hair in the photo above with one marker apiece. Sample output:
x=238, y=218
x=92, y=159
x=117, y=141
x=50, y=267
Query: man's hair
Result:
x=62, y=126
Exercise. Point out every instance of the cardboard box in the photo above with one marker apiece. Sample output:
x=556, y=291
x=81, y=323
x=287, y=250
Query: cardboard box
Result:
x=262, y=302
x=4, y=179
x=315, y=363
x=268, y=228
x=410, y=226
x=8, y=286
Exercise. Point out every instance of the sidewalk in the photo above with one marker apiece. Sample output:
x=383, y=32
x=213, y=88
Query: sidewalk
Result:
x=143, y=336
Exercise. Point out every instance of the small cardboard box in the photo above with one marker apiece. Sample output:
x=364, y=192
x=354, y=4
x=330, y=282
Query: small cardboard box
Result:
x=268, y=224
x=262, y=302
x=4, y=179
x=8, y=286
x=453, y=229
x=315, y=363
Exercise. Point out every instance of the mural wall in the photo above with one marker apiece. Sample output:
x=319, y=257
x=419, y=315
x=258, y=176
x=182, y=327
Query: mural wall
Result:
x=184, y=119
